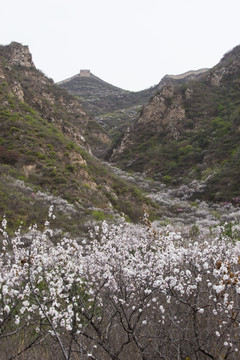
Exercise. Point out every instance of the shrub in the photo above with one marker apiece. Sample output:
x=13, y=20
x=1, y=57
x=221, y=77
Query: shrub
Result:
x=70, y=168
x=167, y=179
x=8, y=156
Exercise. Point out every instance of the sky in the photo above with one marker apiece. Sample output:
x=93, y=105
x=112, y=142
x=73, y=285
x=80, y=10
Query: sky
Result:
x=131, y=44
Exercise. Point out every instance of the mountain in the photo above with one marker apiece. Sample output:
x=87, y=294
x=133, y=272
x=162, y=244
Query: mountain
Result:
x=99, y=96
x=46, y=146
x=114, y=108
x=190, y=131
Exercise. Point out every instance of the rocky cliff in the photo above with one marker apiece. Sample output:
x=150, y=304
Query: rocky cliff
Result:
x=17, y=54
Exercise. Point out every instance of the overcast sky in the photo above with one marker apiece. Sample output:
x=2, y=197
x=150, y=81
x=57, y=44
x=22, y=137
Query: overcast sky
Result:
x=129, y=43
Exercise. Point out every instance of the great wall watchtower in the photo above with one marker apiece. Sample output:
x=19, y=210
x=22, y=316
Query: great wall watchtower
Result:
x=85, y=73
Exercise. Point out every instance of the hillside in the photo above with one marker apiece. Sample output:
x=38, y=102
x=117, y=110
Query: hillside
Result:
x=46, y=142
x=191, y=131
x=112, y=107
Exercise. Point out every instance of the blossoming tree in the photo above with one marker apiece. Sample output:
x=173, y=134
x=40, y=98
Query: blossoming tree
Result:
x=126, y=291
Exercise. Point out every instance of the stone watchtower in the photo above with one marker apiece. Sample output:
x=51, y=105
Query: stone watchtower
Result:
x=85, y=73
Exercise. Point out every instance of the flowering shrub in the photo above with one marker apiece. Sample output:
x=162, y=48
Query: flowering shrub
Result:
x=126, y=291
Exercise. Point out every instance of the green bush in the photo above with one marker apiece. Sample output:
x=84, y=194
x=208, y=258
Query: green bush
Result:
x=167, y=179
x=70, y=168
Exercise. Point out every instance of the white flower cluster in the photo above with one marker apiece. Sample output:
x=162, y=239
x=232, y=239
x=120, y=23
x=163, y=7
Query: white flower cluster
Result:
x=129, y=279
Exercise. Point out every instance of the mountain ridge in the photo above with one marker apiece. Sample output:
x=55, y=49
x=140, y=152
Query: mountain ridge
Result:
x=91, y=75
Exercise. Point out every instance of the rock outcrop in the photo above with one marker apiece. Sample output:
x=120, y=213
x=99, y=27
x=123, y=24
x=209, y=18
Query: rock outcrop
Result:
x=18, y=54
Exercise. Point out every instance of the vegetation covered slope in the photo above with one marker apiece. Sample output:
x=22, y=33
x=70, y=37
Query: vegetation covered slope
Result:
x=191, y=131
x=45, y=151
x=113, y=108
x=100, y=97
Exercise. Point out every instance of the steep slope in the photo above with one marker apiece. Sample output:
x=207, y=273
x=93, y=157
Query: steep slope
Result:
x=191, y=131
x=45, y=152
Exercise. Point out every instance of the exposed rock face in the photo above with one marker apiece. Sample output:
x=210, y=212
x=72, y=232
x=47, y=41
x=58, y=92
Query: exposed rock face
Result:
x=29, y=169
x=17, y=89
x=188, y=93
x=2, y=76
x=19, y=54
x=227, y=68
x=164, y=115
x=217, y=76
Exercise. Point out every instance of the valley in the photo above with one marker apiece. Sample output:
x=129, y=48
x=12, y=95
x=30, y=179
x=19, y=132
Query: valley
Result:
x=120, y=235
x=177, y=209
